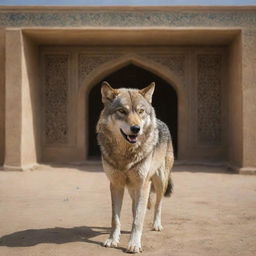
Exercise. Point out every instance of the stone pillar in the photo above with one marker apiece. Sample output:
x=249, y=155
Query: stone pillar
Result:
x=2, y=95
x=249, y=96
x=20, y=146
x=235, y=114
x=13, y=100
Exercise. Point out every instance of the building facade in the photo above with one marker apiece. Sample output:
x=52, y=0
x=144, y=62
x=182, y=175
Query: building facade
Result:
x=53, y=59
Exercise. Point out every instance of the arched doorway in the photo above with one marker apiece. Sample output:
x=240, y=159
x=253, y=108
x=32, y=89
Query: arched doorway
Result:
x=165, y=101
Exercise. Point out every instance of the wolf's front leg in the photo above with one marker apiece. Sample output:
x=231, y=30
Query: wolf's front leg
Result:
x=140, y=198
x=117, y=194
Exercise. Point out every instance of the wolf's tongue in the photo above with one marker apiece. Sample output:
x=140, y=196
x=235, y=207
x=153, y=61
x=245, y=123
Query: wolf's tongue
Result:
x=132, y=138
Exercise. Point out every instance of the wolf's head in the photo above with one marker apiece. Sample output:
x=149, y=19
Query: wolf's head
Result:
x=127, y=112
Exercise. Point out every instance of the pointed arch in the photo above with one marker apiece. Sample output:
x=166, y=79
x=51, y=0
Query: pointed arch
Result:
x=110, y=67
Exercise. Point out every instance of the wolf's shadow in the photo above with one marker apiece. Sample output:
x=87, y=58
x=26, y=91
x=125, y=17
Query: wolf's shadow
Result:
x=58, y=235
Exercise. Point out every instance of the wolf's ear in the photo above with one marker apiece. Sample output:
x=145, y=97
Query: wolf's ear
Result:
x=148, y=92
x=107, y=92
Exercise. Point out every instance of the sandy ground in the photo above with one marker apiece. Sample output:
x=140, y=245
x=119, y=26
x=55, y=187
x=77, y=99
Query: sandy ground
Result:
x=66, y=211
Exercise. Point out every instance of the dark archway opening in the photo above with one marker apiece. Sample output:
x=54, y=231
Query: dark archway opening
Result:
x=165, y=102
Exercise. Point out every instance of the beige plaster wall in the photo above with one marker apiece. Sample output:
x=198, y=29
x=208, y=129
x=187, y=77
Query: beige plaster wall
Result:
x=20, y=98
x=30, y=102
x=13, y=99
x=249, y=99
x=21, y=84
x=89, y=65
x=2, y=95
x=235, y=139
x=23, y=89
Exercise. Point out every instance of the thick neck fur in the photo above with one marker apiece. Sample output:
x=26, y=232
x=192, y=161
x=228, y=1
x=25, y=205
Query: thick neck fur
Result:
x=119, y=153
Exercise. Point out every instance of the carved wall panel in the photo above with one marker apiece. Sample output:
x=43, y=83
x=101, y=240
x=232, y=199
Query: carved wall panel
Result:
x=56, y=98
x=209, y=98
x=176, y=63
x=200, y=104
x=87, y=63
x=56, y=83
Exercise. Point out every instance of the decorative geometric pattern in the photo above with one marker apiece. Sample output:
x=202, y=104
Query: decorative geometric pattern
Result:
x=103, y=18
x=56, y=85
x=174, y=62
x=87, y=63
x=209, y=98
x=56, y=99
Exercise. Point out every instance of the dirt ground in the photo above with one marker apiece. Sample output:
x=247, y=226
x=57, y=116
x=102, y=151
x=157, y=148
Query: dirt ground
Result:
x=63, y=211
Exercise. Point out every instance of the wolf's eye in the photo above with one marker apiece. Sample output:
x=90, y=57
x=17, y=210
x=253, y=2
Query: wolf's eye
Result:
x=141, y=111
x=121, y=111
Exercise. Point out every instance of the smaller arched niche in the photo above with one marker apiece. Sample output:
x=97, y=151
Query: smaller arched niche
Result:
x=165, y=101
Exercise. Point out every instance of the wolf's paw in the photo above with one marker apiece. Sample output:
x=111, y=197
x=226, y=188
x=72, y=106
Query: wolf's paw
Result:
x=157, y=227
x=110, y=242
x=134, y=247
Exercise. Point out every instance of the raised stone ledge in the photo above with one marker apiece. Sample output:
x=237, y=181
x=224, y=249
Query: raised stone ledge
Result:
x=128, y=16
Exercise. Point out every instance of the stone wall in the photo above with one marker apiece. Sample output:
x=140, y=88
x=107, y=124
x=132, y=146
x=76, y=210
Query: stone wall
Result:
x=67, y=69
x=235, y=118
x=128, y=16
x=21, y=116
x=2, y=95
x=248, y=77
x=230, y=133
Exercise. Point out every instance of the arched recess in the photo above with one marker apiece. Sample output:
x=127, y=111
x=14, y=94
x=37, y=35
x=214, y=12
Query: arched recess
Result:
x=103, y=71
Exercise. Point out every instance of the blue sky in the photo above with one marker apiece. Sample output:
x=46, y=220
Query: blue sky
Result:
x=128, y=2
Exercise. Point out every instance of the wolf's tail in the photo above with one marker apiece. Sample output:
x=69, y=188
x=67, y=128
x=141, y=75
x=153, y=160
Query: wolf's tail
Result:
x=169, y=164
x=169, y=188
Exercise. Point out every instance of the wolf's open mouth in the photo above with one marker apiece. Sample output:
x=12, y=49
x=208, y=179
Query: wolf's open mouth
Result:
x=129, y=138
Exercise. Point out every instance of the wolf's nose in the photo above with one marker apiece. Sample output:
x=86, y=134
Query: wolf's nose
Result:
x=135, y=128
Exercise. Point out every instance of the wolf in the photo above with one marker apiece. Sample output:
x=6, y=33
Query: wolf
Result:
x=137, y=153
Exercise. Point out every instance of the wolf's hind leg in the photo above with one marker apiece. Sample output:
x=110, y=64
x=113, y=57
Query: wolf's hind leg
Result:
x=157, y=225
x=117, y=194
x=158, y=183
